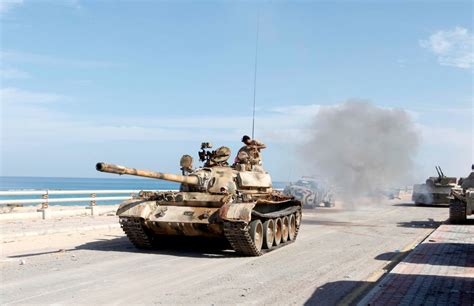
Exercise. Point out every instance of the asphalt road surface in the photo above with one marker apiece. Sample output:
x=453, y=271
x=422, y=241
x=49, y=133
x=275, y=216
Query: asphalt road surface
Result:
x=339, y=253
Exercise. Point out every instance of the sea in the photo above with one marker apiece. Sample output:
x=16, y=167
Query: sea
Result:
x=24, y=183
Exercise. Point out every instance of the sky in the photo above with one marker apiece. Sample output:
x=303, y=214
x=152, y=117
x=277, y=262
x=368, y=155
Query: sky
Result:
x=141, y=83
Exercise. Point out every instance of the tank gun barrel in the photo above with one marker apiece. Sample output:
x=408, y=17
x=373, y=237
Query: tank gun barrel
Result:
x=111, y=168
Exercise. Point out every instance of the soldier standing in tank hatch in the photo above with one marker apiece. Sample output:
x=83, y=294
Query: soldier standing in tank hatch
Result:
x=186, y=164
x=250, y=153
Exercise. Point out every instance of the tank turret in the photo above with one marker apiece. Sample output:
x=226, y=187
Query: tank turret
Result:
x=435, y=191
x=214, y=179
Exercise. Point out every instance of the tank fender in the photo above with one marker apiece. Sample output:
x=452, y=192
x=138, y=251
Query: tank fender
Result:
x=236, y=211
x=136, y=208
x=184, y=214
x=277, y=214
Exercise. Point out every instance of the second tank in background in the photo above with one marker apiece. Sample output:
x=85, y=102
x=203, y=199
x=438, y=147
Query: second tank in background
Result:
x=311, y=192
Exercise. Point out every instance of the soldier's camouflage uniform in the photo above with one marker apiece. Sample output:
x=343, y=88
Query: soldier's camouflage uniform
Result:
x=250, y=154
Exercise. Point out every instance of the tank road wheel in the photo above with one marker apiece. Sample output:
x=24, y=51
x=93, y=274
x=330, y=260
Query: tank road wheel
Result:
x=298, y=218
x=329, y=203
x=292, y=227
x=310, y=200
x=284, y=229
x=256, y=233
x=268, y=233
x=457, y=212
x=277, y=231
x=298, y=222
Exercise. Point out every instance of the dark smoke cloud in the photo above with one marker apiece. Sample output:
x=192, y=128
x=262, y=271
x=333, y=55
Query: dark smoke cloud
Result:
x=361, y=148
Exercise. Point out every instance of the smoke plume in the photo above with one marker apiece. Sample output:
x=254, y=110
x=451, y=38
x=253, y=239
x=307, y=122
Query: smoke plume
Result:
x=361, y=148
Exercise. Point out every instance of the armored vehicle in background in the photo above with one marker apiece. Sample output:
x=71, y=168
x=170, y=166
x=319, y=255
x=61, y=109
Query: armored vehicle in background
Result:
x=462, y=200
x=216, y=200
x=435, y=191
x=311, y=192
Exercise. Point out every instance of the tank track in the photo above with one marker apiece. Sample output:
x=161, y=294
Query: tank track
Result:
x=457, y=212
x=137, y=233
x=238, y=235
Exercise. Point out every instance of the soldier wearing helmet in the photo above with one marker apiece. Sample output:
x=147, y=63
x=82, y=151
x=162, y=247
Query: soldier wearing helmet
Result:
x=249, y=154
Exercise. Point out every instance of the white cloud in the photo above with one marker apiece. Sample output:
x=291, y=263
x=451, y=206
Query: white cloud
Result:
x=453, y=47
x=284, y=124
x=30, y=117
x=74, y=4
x=17, y=96
x=6, y=5
x=304, y=110
x=12, y=73
x=445, y=136
x=32, y=121
x=9, y=56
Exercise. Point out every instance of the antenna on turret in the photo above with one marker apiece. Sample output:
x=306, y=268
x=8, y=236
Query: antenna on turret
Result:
x=255, y=75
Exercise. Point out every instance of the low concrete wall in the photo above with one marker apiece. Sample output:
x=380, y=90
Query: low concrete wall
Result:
x=55, y=212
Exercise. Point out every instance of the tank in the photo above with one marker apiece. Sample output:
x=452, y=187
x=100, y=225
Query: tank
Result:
x=462, y=200
x=435, y=191
x=215, y=200
x=311, y=192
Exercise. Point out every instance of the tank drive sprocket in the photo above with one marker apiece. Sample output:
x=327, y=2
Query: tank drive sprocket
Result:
x=137, y=232
x=457, y=212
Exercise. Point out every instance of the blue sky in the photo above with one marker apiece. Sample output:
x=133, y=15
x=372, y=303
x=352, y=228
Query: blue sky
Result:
x=142, y=82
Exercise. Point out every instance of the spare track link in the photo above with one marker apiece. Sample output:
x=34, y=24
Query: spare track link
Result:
x=237, y=233
x=136, y=232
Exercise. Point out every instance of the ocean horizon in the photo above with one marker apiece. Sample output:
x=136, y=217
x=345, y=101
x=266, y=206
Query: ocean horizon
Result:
x=15, y=183
x=30, y=183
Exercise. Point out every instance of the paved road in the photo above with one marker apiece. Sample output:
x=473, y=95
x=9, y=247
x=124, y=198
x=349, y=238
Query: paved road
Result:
x=337, y=253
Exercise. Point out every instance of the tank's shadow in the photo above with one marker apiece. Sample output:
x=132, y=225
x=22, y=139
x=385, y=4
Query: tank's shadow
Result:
x=419, y=205
x=197, y=247
x=429, y=223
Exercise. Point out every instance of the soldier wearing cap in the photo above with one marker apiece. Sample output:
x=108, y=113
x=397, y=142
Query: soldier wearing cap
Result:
x=250, y=153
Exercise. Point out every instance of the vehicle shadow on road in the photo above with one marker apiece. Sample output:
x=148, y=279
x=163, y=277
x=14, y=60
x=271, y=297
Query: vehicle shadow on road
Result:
x=421, y=289
x=339, y=292
x=197, y=247
x=429, y=223
x=411, y=204
x=438, y=254
x=337, y=223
